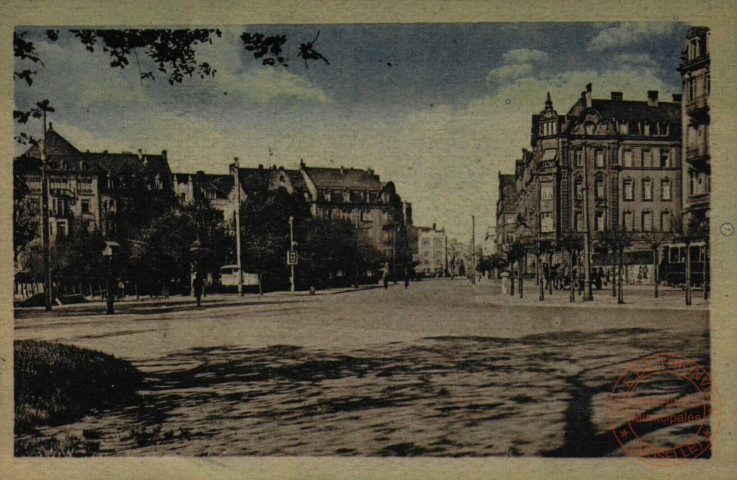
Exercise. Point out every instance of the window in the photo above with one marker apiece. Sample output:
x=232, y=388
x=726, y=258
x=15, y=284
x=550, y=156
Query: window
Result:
x=182, y=198
x=509, y=219
x=600, y=191
x=546, y=191
x=664, y=163
x=665, y=189
x=647, y=189
x=366, y=216
x=647, y=221
x=600, y=221
x=426, y=254
x=85, y=206
x=628, y=159
x=624, y=128
x=578, y=155
x=690, y=183
x=707, y=81
x=691, y=83
x=665, y=222
x=425, y=242
x=61, y=231
x=629, y=189
x=628, y=221
x=546, y=222
x=647, y=158
x=580, y=227
x=438, y=254
x=578, y=188
x=599, y=159
x=437, y=242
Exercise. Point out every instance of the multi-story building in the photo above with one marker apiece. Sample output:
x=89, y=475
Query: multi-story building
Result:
x=622, y=157
x=506, y=211
x=350, y=194
x=618, y=159
x=695, y=69
x=432, y=244
x=109, y=192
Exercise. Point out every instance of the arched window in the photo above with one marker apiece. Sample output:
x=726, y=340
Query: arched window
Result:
x=628, y=189
x=665, y=221
x=647, y=221
x=578, y=188
x=666, y=190
x=647, y=189
x=600, y=189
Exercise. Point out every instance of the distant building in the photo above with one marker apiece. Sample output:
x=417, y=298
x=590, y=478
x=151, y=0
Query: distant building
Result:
x=506, y=211
x=350, y=194
x=489, y=245
x=695, y=68
x=432, y=251
x=108, y=192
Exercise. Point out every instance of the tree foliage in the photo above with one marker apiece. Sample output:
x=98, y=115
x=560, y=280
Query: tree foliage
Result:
x=25, y=216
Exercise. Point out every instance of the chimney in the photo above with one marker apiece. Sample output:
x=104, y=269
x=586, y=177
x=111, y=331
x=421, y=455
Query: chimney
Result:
x=104, y=151
x=617, y=96
x=342, y=170
x=652, y=98
x=163, y=154
x=260, y=166
x=370, y=170
x=140, y=154
x=588, y=95
x=677, y=97
x=200, y=174
x=51, y=126
x=433, y=226
x=301, y=163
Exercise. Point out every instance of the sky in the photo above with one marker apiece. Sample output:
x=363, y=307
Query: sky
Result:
x=439, y=109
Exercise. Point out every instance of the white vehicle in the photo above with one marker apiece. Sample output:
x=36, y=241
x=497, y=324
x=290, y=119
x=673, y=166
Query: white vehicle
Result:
x=229, y=277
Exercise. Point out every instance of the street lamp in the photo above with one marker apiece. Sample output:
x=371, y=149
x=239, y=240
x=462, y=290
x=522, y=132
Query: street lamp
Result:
x=291, y=256
x=108, y=253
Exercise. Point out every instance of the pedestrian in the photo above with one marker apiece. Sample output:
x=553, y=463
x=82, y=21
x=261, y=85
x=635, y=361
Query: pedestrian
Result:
x=197, y=287
x=406, y=278
x=385, y=276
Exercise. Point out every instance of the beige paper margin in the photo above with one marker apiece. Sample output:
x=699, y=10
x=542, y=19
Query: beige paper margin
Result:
x=720, y=16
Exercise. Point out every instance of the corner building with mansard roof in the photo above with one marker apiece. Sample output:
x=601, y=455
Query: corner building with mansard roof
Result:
x=631, y=150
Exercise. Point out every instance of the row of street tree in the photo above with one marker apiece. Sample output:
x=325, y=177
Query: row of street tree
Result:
x=610, y=245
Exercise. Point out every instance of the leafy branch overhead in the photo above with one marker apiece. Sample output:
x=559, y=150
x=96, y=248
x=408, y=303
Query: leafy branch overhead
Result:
x=271, y=49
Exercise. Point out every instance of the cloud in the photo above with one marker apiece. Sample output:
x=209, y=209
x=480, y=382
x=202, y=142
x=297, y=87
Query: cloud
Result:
x=525, y=55
x=518, y=63
x=626, y=34
x=634, y=60
x=508, y=74
x=268, y=84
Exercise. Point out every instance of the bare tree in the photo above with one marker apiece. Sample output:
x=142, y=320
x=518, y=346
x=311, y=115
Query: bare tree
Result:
x=572, y=243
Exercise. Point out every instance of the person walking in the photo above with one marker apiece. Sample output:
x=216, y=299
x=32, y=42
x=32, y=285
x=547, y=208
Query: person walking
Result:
x=406, y=278
x=197, y=286
x=385, y=276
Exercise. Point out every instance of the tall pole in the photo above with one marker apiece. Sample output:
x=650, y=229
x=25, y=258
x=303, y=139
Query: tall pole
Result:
x=587, y=295
x=237, y=184
x=473, y=246
x=291, y=248
x=445, y=273
x=48, y=295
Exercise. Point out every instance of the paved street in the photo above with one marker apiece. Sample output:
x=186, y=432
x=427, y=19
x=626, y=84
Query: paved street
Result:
x=443, y=368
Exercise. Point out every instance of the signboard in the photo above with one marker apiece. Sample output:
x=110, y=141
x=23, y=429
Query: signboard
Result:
x=291, y=258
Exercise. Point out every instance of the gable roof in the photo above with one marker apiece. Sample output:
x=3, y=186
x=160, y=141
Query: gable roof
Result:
x=61, y=150
x=56, y=145
x=343, y=178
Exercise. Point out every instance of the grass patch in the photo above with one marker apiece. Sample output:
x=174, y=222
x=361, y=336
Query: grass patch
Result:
x=57, y=383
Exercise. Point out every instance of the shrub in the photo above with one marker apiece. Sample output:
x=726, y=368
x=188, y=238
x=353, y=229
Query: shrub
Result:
x=57, y=383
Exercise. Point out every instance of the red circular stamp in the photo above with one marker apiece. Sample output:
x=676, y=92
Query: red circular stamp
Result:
x=665, y=410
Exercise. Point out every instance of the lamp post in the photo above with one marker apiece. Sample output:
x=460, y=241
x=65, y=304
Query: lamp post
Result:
x=108, y=253
x=291, y=249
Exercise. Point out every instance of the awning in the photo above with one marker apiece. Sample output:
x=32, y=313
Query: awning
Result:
x=551, y=154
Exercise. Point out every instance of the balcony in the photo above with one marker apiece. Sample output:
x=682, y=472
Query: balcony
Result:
x=698, y=103
x=697, y=201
